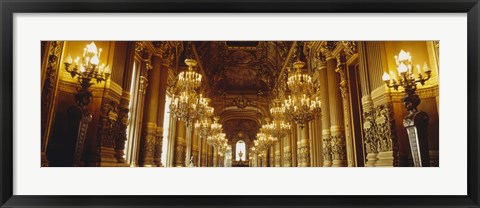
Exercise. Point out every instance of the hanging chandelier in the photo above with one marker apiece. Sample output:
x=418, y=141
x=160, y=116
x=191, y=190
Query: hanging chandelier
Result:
x=203, y=125
x=299, y=107
x=189, y=106
x=277, y=129
x=264, y=138
x=216, y=136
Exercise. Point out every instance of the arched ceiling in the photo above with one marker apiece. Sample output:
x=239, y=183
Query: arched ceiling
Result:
x=242, y=67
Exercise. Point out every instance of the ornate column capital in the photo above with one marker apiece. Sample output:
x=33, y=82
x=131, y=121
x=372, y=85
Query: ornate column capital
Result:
x=166, y=51
x=349, y=47
x=327, y=48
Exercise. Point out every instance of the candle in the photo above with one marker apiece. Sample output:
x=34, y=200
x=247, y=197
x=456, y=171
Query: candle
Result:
x=418, y=69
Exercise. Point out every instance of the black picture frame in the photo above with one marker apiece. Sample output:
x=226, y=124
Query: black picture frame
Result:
x=10, y=7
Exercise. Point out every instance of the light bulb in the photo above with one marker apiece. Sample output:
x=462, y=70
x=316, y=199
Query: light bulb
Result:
x=94, y=60
x=385, y=76
x=68, y=60
x=92, y=48
x=402, y=68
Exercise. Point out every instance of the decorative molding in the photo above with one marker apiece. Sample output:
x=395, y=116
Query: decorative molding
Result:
x=423, y=93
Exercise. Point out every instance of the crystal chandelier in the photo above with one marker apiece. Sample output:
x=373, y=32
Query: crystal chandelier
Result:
x=264, y=140
x=86, y=69
x=189, y=105
x=277, y=128
x=203, y=125
x=216, y=136
x=299, y=107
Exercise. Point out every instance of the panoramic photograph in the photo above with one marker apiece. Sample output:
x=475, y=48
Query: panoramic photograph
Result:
x=194, y=104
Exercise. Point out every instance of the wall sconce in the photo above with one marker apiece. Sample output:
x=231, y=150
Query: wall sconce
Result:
x=86, y=69
x=416, y=122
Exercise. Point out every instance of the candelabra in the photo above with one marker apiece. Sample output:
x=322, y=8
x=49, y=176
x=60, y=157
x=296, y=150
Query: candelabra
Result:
x=415, y=122
x=87, y=69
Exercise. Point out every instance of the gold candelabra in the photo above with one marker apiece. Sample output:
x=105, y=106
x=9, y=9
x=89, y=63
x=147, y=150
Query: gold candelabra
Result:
x=415, y=122
x=86, y=69
x=407, y=79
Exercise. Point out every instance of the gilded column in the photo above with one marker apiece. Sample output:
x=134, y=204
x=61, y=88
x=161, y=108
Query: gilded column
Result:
x=180, y=145
x=303, y=147
x=325, y=114
x=335, y=106
x=287, y=152
x=203, y=153
x=50, y=68
x=341, y=69
x=215, y=157
x=277, y=155
x=149, y=135
x=162, y=99
x=385, y=131
x=369, y=138
x=195, y=149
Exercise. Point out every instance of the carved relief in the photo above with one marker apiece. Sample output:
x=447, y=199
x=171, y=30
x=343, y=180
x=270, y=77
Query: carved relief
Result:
x=304, y=156
x=108, y=123
x=369, y=129
x=147, y=148
x=385, y=128
x=349, y=47
x=180, y=155
x=327, y=49
x=327, y=147
x=338, y=147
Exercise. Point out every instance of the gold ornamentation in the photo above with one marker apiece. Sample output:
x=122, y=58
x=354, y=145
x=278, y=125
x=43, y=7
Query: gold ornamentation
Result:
x=385, y=128
x=338, y=147
x=349, y=47
x=108, y=122
x=327, y=147
x=369, y=129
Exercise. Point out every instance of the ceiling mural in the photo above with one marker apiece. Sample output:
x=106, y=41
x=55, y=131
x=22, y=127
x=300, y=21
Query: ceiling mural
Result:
x=242, y=67
x=241, y=127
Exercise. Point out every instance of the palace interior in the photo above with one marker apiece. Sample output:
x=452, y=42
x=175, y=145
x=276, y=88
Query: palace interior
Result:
x=239, y=104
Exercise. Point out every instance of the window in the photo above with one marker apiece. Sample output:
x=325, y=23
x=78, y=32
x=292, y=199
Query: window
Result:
x=166, y=126
x=240, y=147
